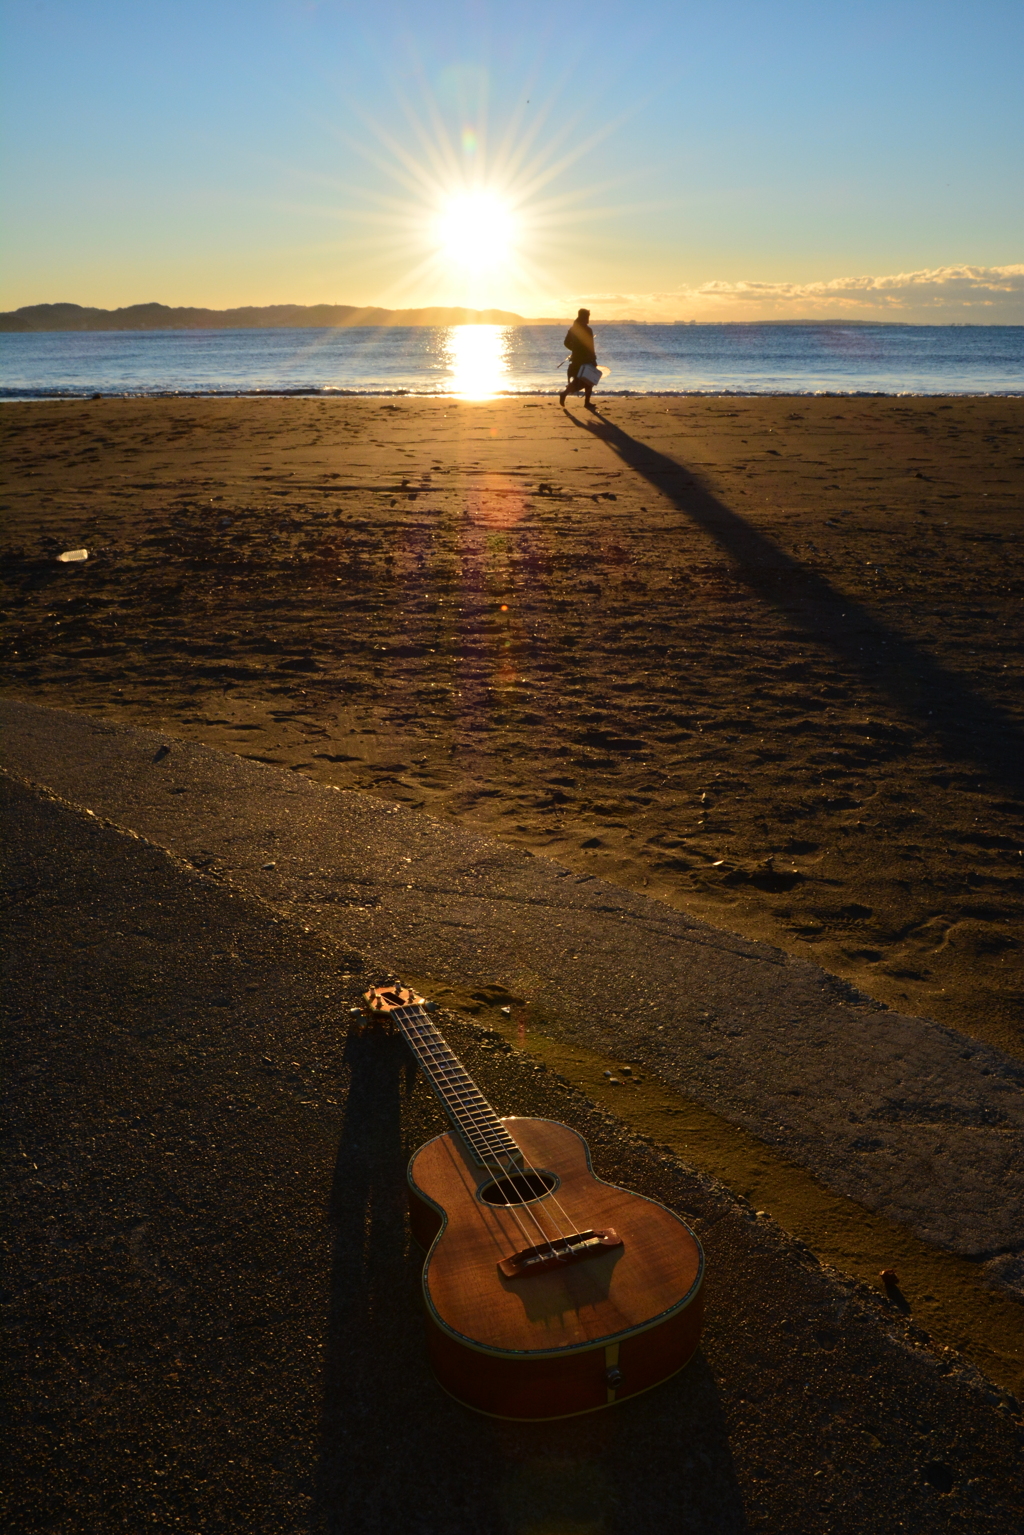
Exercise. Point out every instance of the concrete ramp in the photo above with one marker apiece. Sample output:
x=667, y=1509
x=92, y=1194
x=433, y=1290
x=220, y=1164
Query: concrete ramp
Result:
x=910, y=1118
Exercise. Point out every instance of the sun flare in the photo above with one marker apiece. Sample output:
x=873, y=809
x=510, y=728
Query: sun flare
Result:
x=469, y=216
x=476, y=232
x=478, y=359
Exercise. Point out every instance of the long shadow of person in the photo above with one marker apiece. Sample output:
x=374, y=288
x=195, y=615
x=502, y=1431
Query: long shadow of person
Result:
x=970, y=728
x=397, y=1454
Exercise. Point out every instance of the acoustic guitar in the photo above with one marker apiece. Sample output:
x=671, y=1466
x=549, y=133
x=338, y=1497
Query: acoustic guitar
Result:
x=548, y=1292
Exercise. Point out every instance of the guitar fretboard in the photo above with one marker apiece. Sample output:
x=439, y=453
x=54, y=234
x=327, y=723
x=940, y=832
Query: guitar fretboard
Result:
x=467, y=1108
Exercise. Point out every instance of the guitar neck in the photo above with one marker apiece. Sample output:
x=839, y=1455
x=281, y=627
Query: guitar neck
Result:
x=472, y=1116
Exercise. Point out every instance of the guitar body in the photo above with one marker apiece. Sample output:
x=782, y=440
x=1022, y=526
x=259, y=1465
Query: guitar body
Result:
x=551, y=1341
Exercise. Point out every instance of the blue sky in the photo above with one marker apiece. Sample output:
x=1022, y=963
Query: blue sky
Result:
x=659, y=160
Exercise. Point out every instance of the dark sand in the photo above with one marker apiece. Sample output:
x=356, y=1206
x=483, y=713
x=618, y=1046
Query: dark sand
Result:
x=759, y=657
x=211, y=1297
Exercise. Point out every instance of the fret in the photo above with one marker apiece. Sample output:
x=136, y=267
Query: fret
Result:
x=465, y=1104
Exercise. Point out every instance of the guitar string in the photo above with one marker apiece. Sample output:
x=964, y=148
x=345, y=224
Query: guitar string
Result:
x=468, y=1098
x=441, y=1062
x=528, y=1169
x=415, y=1043
x=476, y=1138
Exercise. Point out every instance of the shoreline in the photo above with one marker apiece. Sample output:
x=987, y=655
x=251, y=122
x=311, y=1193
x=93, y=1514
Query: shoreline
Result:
x=513, y=394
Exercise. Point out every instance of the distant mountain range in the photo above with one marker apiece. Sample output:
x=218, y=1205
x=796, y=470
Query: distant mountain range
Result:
x=72, y=317
x=40, y=317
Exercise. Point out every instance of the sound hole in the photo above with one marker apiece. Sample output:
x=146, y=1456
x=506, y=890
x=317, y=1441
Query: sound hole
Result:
x=519, y=1189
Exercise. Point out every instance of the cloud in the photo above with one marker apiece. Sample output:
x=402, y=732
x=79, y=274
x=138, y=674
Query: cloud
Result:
x=938, y=296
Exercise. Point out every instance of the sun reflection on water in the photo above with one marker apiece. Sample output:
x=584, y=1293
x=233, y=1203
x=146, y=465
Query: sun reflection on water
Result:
x=478, y=360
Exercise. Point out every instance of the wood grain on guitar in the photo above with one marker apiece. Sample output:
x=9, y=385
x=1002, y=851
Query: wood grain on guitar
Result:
x=548, y=1292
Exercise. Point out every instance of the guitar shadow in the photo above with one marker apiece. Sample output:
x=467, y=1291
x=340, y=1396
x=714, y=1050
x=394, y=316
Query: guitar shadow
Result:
x=398, y=1454
x=661, y=1464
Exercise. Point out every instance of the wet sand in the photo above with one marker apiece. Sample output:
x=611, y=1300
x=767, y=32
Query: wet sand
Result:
x=757, y=657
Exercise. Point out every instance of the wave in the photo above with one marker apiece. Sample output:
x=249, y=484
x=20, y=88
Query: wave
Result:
x=23, y=396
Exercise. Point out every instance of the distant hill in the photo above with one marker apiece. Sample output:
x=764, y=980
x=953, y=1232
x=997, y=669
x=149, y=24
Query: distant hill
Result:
x=41, y=317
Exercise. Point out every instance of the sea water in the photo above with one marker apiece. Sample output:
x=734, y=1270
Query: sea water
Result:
x=481, y=361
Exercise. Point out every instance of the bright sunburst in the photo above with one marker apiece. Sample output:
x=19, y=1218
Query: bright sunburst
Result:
x=477, y=232
x=469, y=216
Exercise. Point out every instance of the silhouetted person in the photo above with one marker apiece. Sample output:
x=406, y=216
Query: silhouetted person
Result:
x=579, y=338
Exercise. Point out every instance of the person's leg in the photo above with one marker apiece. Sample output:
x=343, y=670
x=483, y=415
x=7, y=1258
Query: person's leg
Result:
x=586, y=395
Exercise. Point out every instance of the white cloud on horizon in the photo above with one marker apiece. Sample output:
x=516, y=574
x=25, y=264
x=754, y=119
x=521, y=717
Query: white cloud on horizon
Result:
x=940, y=295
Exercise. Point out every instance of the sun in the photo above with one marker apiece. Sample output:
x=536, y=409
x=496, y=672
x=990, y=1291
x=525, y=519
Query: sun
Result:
x=476, y=232
x=474, y=215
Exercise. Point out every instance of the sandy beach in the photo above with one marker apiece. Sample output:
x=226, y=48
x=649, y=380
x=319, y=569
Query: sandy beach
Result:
x=758, y=657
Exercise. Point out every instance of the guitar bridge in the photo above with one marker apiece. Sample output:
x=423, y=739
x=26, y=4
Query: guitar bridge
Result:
x=559, y=1252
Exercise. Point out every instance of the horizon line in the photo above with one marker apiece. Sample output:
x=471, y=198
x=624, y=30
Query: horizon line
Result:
x=372, y=316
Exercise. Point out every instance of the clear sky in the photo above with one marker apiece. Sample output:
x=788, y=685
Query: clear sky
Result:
x=747, y=158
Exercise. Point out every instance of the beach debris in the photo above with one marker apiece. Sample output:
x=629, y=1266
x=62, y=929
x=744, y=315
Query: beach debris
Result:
x=889, y=1276
x=271, y=865
x=161, y=752
x=507, y=1011
x=72, y=556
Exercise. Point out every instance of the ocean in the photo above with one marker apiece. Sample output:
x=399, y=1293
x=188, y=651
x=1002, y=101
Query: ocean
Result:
x=481, y=361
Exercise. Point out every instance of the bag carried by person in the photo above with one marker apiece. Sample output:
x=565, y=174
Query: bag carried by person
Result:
x=588, y=374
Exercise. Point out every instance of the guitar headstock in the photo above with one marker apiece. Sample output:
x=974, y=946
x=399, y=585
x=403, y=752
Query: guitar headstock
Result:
x=381, y=1001
x=391, y=996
